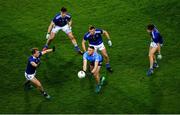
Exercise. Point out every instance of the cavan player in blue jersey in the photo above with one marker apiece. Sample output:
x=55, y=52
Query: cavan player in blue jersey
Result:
x=155, y=46
x=32, y=65
x=62, y=21
x=94, y=36
x=95, y=60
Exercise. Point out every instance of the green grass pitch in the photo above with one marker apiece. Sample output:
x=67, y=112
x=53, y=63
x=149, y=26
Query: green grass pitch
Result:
x=24, y=23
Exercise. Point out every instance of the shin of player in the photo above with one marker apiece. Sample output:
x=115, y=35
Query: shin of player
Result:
x=32, y=65
x=95, y=39
x=62, y=21
x=95, y=60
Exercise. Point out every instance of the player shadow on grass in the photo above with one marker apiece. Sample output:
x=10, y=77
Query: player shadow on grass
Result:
x=28, y=105
x=60, y=71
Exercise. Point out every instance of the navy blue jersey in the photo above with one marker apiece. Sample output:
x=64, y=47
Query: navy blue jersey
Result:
x=95, y=39
x=92, y=58
x=156, y=36
x=31, y=69
x=61, y=21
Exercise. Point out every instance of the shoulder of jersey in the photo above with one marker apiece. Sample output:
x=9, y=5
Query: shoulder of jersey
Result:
x=87, y=34
x=68, y=15
x=30, y=58
x=98, y=30
x=85, y=54
x=58, y=16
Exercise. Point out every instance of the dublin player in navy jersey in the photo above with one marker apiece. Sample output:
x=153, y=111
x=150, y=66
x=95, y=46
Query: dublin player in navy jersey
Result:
x=32, y=65
x=95, y=60
x=94, y=36
x=155, y=46
x=62, y=21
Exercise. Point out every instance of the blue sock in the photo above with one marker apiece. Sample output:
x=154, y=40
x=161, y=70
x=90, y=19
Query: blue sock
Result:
x=46, y=46
x=77, y=48
x=107, y=65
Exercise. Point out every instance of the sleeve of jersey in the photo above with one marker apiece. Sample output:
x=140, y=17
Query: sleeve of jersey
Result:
x=85, y=37
x=40, y=54
x=97, y=58
x=69, y=17
x=155, y=36
x=84, y=56
x=54, y=20
x=31, y=60
x=100, y=31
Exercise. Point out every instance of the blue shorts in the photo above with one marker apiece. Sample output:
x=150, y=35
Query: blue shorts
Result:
x=99, y=64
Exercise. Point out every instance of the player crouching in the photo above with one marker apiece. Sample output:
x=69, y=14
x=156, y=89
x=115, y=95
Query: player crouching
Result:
x=95, y=60
x=32, y=65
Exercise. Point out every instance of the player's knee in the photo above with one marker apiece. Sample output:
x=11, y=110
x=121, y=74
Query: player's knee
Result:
x=51, y=37
x=151, y=54
x=95, y=74
x=39, y=85
x=71, y=37
x=106, y=56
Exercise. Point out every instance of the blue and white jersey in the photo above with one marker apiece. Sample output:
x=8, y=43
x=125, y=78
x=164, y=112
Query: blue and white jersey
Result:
x=156, y=36
x=61, y=21
x=95, y=39
x=92, y=58
x=31, y=69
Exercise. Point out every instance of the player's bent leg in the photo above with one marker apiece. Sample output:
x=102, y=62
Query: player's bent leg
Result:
x=37, y=83
x=74, y=42
x=152, y=51
x=155, y=64
x=51, y=37
x=105, y=55
x=96, y=75
x=28, y=85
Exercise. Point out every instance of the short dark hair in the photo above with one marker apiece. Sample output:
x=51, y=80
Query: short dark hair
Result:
x=92, y=47
x=33, y=50
x=91, y=27
x=150, y=26
x=63, y=9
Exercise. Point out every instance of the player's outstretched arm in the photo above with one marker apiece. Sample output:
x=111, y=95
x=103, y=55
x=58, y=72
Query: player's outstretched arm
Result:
x=106, y=34
x=48, y=50
x=34, y=64
x=70, y=23
x=49, y=29
x=95, y=67
x=84, y=45
x=84, y=65
x=108, y=37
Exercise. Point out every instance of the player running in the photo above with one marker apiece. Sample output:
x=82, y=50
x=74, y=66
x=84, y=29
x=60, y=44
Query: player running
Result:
x=95, y=39
x=32, y=65
x=95, y=60
x=62, y=21
x=155, y=46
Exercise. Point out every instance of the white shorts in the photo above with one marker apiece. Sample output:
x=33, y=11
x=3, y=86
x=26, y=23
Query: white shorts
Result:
x=98, y=47
x=65, y=29
x=153, y=45
x=29, y=76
